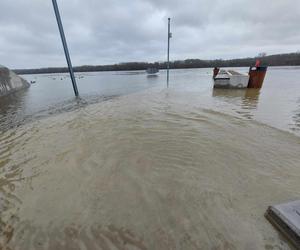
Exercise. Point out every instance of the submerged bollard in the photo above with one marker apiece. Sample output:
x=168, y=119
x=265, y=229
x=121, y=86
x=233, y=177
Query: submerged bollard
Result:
x=64, y=42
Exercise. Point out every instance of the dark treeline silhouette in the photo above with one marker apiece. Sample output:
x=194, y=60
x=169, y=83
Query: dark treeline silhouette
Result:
x=291, y=59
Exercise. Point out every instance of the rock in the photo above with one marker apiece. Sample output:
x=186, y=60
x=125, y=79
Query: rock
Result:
x=10, y=82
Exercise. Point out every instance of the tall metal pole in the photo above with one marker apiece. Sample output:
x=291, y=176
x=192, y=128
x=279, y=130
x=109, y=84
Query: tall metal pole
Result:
x=64, y=42
x=168, y=61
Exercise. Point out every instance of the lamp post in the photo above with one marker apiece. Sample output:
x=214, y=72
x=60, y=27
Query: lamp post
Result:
x=168, y=59
x=64, y=42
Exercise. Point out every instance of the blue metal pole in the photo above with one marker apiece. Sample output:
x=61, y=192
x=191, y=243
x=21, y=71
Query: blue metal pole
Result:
x=64, y=42
x=168, y=62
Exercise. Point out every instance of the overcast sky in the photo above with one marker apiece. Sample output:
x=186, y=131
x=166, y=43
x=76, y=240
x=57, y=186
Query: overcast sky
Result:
x=113, y=31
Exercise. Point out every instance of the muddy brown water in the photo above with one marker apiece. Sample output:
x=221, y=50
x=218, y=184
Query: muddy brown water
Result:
x=158, y=169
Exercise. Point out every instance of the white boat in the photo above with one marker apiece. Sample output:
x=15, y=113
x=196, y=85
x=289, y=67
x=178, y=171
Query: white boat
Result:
x=152, y=71
x=231, y=79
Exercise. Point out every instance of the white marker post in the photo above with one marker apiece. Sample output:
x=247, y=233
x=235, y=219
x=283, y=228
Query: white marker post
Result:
x=168, y=61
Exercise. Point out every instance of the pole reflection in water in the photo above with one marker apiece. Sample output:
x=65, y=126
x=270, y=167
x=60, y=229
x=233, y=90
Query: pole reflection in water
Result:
x=296, y=118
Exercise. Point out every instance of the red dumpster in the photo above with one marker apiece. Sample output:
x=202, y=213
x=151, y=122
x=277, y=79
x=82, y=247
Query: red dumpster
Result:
x=257, y=76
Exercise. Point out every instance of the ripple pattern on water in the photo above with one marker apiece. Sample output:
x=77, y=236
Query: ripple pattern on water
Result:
x=146, y=171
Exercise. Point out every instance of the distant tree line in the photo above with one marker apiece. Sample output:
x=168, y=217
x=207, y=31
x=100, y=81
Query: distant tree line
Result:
x=291, y=59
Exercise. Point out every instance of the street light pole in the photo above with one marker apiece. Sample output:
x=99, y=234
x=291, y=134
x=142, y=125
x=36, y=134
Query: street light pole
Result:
x=64, y=42
x=168, y=61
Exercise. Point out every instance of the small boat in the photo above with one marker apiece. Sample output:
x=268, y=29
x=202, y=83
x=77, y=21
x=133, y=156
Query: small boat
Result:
x=230, y=79
x=152, y=71
x=236, y=80
x=32, y=82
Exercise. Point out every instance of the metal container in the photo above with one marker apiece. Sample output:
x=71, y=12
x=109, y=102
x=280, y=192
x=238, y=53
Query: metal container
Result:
x=256, y=77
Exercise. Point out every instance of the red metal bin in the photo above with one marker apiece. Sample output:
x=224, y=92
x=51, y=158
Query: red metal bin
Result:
x=256, y=77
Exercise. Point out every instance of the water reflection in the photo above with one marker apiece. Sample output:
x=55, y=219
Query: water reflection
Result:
x=12, y=108
x=245, y=100
x=141, y=72
x=296, y=117
x=152, y=78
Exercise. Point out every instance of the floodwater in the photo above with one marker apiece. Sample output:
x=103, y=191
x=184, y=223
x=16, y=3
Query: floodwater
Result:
x=132, y=165
x=276, y=104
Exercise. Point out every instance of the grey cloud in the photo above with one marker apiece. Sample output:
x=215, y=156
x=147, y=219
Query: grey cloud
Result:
x=112, y=31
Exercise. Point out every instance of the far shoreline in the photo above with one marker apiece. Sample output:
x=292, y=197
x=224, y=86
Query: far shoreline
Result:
x=291, y=59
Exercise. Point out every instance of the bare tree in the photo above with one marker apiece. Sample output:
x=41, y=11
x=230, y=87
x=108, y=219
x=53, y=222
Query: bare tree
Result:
x=262, y=54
